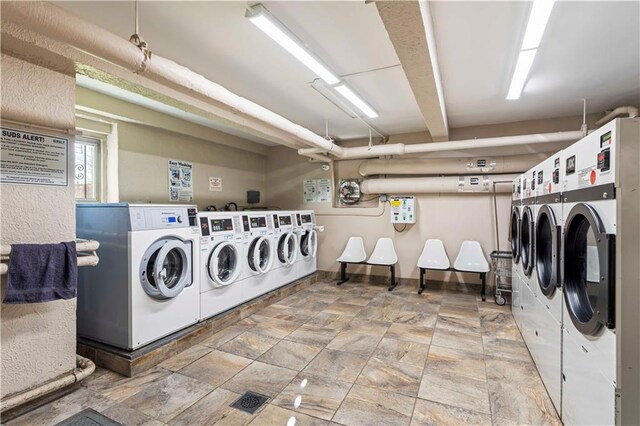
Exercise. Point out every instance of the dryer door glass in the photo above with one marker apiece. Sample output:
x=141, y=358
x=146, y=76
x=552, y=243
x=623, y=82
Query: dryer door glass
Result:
x=546, y=248
x=514, y=234
x=259, y=255
x=224, y=266
x=166, y=268
x=588, y=271
x=287, y=248
x=526, y=241
x=313, y=243
x=304, y=244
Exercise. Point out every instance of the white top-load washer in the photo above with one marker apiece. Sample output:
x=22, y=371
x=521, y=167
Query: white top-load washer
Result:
x=591, y=271
x=146, y=285
x=307, y=262
x=222, y=261
x=545, y=330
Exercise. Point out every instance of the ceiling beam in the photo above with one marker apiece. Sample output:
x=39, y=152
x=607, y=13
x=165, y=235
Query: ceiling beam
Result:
x=410, y=29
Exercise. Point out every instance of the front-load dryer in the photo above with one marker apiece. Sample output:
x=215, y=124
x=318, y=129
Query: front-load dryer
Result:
x=514, y=239
x=545, y=340
x=592, y=272
x=527, y=236
x=222, y=262
x=147, y=284
x=308, y=243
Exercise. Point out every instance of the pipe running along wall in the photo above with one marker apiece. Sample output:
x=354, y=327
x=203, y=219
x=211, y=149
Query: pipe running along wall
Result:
x=450, y=166
x=60, y=25
x=440, y=184
x=631, y=111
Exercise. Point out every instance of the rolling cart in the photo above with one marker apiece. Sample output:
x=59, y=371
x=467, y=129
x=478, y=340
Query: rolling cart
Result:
x=501, y=274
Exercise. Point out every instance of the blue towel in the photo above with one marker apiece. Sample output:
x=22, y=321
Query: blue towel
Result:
x=42, y=273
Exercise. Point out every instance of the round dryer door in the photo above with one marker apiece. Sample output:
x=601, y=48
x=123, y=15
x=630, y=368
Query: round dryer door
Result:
x=526, y=240
x=224, y=264
x=287, y=245
x=589, y=266
x=547, y=249
x=309, y=244
x=166, y=268
x=514, y=234
x=260, y=256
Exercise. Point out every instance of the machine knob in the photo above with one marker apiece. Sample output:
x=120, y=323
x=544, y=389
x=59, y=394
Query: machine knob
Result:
x=179, y=219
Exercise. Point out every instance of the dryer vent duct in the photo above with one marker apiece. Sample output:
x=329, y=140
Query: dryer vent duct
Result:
x=436, y=185
x=450, y=166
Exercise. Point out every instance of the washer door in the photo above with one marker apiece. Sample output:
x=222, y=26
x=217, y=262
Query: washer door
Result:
x=514, y=234
x=309, y=243
x=547, y=249
x=260, y=255
x=287, y=245
x=526, y=240
x=224, y=264
x=166, y=268
x=589, y=267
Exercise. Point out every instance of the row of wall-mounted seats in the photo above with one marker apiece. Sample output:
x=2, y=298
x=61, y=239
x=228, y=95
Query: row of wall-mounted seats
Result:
x=433, y=257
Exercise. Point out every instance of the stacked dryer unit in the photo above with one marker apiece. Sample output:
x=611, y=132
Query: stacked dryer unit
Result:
x=526, y=237
x=593, y=295
x=514, y=238
x=545, y=335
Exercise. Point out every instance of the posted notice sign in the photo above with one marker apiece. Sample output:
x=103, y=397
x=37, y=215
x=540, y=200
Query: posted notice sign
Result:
x=180, y=181
x=33, y=158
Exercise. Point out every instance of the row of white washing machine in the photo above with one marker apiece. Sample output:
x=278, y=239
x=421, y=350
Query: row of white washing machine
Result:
x=165, y=267
x=571, y=275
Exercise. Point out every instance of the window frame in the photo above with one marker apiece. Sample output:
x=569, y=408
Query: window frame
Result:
x=98, y=167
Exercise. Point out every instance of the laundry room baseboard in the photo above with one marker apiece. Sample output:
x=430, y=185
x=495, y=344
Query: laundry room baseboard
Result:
x=132, y=363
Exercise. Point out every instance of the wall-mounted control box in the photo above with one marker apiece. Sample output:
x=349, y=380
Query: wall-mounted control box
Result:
x=403, y=209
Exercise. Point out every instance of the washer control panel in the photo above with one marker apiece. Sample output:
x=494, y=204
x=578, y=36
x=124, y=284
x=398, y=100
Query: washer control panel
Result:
x=403, y=209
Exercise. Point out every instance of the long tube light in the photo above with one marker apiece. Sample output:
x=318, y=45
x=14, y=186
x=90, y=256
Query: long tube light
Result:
x=538, y=19
x=261, y=18
x=356, y=101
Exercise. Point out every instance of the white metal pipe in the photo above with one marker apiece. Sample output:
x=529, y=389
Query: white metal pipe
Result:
x=449, y=166
x=84, y=367
x=58, y=24
x=434, y=185
x=631, y=111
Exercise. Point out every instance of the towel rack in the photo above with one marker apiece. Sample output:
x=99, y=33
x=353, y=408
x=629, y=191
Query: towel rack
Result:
x=86, y=250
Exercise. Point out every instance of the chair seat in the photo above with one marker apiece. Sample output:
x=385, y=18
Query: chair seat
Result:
x=354, y=251
x=384, y=253
x=434, y=256
x=471, y=258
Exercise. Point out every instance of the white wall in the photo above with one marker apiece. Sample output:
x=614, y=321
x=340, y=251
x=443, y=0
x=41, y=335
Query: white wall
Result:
x=38, y=340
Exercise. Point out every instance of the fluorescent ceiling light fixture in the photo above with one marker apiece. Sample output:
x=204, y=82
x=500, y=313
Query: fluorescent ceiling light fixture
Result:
x=538, y=18
x=356, y=101
x=525, y=60
x=262, y=19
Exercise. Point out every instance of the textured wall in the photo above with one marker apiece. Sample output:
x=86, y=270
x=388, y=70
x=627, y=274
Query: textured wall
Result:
x=38, y=340
x=142, y=170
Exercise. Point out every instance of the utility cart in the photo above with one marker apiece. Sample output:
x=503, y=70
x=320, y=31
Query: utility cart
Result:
x=501, y=274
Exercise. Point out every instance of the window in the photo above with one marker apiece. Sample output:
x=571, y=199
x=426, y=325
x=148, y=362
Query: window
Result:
x=87, y=169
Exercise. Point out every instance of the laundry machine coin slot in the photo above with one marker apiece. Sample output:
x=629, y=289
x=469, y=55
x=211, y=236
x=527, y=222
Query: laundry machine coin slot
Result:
x=588, y=271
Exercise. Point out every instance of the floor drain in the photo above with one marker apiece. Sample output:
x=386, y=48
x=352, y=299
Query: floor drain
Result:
x=88, y=417
x=250, y=402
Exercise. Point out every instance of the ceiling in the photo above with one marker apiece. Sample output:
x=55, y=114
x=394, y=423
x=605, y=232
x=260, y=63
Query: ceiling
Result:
x=589, y=50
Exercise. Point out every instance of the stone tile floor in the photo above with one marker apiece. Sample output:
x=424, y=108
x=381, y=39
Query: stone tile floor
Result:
x=351, y=355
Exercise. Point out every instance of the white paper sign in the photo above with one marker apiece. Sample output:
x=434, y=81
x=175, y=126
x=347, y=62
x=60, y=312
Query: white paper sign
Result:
x=180, y=181
x=33, y=158
x=309, y=190
x=324, y=190
x=215, y=184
